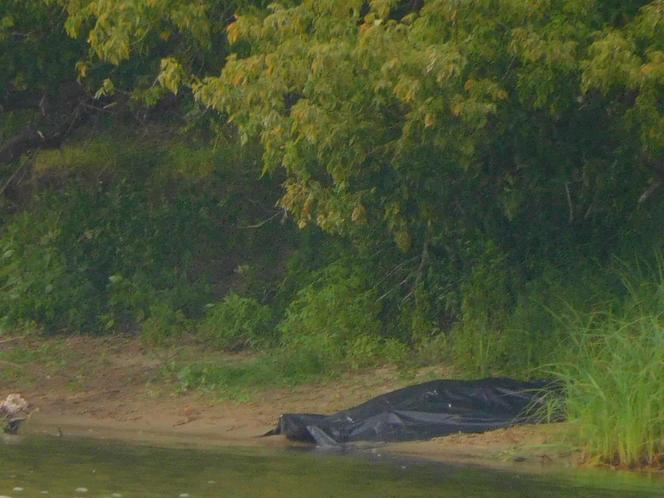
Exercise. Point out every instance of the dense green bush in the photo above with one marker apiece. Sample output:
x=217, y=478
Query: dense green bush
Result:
x=95, y=260
x=164, y=324
x=486, y=301
x=237, y=323
x=38, y=286
x=331, y=314
x=118, y=229
x=339, y=303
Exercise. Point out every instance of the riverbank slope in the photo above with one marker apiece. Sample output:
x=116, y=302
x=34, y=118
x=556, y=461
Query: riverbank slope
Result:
x=113, y=388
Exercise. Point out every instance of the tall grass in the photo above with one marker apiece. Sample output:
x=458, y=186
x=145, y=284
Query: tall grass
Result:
x=614, y=375
x=615, y=391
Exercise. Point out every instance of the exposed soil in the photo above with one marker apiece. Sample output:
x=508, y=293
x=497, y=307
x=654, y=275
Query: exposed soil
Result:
x=115, y=388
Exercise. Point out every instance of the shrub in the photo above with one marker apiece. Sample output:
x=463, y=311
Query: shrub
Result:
x=395, y=351
x=128, y=303
x=164, y=324
x=110, y=226
x=38, y=286
x=237, y=323
x=309, y=357
x=333, y=322
x=433, y=350
x=338, y=304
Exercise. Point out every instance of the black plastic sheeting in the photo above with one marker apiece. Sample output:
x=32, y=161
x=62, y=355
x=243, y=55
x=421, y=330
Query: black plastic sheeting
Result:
x=424, y=411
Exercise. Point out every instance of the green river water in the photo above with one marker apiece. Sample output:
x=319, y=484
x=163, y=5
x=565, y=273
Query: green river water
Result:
x=38, y=466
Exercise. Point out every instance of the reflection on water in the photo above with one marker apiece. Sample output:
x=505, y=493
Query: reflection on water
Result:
x=55, y=467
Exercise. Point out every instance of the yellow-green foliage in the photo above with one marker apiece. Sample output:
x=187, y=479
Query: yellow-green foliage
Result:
x=419, y=118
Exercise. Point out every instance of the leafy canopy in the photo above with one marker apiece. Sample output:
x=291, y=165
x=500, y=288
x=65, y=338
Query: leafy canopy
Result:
x=417, y=119
x=448, y=114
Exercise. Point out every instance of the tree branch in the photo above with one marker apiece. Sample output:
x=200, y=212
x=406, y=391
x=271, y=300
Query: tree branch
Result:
x=48, y=132
x=30, y=138
x=650, y=190
x=658, y=168
x=570, y=206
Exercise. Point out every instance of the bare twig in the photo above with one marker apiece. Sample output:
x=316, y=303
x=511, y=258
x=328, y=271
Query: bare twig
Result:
x=657, y=167
x=395, y=270
x=261, y=223
x=569, y=204
x=11, y=339
x=13, y=175
x=398, y=286
x=424, y=258
x=650, y=190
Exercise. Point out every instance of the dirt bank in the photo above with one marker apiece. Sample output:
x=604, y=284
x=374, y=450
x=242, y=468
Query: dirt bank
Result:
x=114, y=388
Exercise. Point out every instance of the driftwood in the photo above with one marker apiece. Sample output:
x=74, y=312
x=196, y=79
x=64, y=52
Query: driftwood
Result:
x=14, y=410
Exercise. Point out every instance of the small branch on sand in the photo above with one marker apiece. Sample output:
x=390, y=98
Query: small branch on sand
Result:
x=12, y=339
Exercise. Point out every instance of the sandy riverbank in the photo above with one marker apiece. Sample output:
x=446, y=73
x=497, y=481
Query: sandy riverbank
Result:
x=112, y=388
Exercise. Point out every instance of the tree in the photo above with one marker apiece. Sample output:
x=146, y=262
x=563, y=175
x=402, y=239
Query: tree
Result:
x=39, y=97
x=438, y=118
x=64, y=61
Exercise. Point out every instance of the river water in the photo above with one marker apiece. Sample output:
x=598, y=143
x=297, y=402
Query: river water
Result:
x=38, y=466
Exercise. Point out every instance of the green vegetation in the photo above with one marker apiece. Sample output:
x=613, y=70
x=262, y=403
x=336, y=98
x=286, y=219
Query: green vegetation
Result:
x=237, y=322
x=336, y=184
x=614, y=391
x=123, y=234
x=613, y=376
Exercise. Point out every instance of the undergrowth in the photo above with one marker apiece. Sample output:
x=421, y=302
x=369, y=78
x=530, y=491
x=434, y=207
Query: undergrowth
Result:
x=125, y=234
x=236, y=323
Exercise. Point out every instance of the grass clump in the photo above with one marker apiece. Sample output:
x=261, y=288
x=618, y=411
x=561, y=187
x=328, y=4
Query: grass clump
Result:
x=311, y=360
x=614, y=372
x=615, y=391
x=164, y=324
x=232, y=380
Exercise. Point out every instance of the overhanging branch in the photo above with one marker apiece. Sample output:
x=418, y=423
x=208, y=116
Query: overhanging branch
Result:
x=48, y=131
x=27, y=140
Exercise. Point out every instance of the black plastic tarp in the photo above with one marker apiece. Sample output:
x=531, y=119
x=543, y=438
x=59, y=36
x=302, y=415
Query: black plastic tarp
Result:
x=423, y=411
